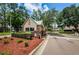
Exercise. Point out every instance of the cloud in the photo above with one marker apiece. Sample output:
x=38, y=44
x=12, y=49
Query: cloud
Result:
x=35, y=6
x=32, y=7
x=45, y=8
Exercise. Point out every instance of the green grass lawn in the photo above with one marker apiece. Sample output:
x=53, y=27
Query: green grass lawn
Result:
x=5, y=33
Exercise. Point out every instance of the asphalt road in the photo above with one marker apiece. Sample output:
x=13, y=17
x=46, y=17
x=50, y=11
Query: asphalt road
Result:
x=61, y=46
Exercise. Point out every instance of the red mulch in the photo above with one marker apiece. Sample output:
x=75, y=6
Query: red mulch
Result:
x=15, y=48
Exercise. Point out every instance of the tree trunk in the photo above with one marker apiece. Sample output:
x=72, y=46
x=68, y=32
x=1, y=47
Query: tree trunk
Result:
x=76, y=29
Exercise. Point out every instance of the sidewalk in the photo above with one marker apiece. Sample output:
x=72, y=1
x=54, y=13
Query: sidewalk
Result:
x=71, y=35
x=5, y=36
x=42, y=47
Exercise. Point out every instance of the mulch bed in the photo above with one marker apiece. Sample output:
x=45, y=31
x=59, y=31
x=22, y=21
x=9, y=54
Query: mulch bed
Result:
x=14, y=48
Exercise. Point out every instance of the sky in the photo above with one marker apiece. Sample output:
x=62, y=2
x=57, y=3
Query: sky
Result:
x=46, y=6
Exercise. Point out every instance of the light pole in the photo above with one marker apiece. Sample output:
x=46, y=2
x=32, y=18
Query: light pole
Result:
x=10, y=23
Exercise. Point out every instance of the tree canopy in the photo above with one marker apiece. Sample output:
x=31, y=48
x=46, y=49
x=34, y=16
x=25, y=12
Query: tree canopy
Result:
x=13, y=15
x=69, y=17
x=48, y=17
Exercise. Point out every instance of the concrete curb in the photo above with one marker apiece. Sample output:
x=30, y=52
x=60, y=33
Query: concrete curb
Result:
x=31, y=53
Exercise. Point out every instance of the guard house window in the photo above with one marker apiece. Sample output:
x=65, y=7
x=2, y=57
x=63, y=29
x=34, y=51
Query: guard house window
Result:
x=27, y=29
x=31, y=29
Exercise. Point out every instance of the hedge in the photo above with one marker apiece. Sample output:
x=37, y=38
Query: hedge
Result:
x=25, y=36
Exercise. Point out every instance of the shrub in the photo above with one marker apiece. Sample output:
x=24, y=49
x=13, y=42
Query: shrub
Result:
x=5, y=37
x=6, y=42
x=26, y=44
x=0, y=38
x=19, y=41
x=49, y=29
x=66, y=32
x=25, y=36
x=12, y=39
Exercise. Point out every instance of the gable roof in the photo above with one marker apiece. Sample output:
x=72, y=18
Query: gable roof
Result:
x=40, y=22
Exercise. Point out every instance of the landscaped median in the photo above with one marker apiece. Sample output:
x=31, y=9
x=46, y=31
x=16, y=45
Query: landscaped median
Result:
x=18, y=46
